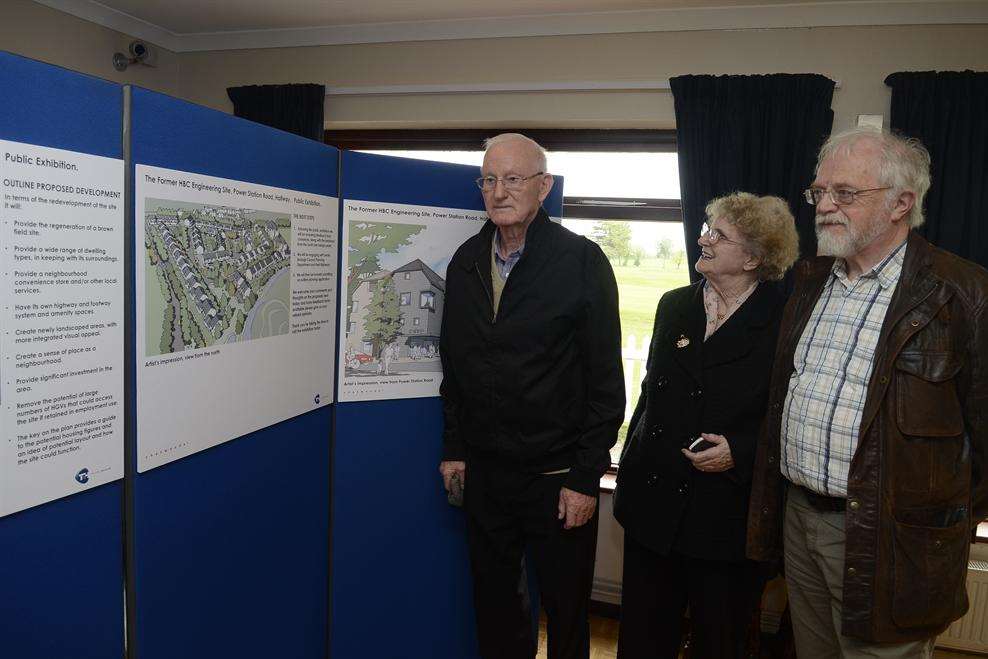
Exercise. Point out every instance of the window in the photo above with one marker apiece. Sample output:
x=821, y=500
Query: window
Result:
x=407, y=275
x=406, y=299
x=621, y=190
x=427, y=300
x=415, y=321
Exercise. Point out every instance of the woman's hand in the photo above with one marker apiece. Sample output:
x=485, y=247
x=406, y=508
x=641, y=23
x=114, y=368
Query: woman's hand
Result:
x=714, y=459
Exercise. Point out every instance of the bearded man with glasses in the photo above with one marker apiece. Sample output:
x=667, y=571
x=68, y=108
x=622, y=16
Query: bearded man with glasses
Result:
x=870, y=476
x=533, y=397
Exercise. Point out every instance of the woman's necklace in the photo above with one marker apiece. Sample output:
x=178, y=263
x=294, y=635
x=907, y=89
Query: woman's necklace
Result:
x=725, y=305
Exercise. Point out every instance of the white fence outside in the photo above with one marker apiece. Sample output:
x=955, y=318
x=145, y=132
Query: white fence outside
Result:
x=634, y=353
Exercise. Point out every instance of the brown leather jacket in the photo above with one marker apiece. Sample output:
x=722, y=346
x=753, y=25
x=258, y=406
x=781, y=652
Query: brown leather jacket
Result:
x=917, y=484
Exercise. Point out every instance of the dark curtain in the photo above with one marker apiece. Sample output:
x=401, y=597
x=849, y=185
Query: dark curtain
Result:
x=757, y=134
x=948, y=113
x=292, y=108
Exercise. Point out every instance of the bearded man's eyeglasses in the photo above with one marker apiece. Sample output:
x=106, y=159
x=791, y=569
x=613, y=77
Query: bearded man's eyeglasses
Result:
x=840, y=196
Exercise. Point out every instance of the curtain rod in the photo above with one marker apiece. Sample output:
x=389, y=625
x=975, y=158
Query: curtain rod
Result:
x=506, y=87
x=490, y=88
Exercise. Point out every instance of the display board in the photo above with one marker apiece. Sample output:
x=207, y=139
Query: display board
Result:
x=61, y=573
x=237, y=287
x=399, y=549
x=230, y=544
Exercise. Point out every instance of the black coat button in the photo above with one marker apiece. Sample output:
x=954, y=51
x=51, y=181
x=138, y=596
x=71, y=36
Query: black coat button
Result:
x=684, y=488
x=661, y=382
x=652, y=479
x=656, y=432
x=696, y=393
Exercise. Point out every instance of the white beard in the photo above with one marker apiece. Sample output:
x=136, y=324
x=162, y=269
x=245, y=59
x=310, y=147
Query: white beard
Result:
x=845, y=244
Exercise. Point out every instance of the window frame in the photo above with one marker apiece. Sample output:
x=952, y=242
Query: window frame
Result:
x=633, y=140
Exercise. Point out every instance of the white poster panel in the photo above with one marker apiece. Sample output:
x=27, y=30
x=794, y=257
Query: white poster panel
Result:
x=236, y=296
x=62, y=366
x=395, y=265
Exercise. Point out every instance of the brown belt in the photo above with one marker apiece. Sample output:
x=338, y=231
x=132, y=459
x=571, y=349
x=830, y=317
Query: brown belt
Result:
x=821, y=503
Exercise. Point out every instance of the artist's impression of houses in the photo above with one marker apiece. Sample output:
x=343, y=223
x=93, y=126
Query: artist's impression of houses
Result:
x=420, y=293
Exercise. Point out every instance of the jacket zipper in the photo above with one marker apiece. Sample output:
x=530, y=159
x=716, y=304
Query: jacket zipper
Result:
x=490, y=296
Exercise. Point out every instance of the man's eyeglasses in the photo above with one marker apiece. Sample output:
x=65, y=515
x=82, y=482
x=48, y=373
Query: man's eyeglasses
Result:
x=510, y=182
x=840, y=196
x=714, y=236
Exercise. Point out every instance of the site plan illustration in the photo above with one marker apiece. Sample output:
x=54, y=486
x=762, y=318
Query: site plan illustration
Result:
x=214, y=275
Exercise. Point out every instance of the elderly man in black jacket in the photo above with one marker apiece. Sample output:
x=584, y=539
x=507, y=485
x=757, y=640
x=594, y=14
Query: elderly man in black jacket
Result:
x=533, y=396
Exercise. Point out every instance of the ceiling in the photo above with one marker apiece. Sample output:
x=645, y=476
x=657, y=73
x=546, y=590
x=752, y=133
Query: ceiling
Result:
x=186, y=25
x=198, y=16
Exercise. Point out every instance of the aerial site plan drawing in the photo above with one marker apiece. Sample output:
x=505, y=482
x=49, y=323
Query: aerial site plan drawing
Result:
x=214, y=274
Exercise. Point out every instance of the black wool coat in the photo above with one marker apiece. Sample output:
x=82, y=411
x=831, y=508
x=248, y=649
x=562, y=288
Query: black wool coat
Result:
x=540, y=387
x=691, y=386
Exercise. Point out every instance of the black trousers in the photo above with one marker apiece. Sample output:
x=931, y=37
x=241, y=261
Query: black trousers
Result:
x=656, y=590
x=509, y=512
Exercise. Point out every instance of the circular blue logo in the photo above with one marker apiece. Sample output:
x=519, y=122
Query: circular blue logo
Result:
x=82, y=476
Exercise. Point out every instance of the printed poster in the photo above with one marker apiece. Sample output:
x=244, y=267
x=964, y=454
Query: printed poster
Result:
x=62, y=314
x=395, y=267
x=236, y=299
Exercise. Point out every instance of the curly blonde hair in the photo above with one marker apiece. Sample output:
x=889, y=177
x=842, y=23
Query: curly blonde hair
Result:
x=767, y=228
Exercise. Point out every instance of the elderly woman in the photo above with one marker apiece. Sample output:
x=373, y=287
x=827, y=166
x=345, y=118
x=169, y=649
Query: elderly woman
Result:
x=684, y=480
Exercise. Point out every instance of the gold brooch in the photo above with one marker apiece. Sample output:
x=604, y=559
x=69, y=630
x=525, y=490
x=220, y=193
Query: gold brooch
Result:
x=682, y=341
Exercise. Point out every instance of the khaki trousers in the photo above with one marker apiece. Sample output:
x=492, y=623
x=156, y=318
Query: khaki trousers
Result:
x=814, y=555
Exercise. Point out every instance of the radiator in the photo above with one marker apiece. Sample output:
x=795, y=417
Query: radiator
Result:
x=970, y=633
x=606, y=590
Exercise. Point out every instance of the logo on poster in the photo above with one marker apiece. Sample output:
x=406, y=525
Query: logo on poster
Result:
x=316, y=399
x=82, y=476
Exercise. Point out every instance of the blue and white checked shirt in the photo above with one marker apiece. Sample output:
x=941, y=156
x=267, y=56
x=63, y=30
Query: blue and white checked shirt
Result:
x=504, y=266
x=833, y=363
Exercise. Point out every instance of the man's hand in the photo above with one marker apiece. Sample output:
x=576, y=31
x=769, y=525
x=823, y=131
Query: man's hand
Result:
x=449, y=467
x=575, y=508
x=714, y=459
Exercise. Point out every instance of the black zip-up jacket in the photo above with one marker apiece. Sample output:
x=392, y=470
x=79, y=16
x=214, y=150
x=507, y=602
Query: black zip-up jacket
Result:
x=540, y=386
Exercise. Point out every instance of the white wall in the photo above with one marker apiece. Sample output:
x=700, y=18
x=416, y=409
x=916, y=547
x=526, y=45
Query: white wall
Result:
x=42, y=33
x=858, y=57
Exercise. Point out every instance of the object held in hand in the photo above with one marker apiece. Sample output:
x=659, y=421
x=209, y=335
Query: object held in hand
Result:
x=455, y=494
x=700, y=444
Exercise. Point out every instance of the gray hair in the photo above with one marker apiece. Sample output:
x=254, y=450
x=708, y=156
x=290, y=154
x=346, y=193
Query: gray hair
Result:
x=903, y=163
x=518, y=137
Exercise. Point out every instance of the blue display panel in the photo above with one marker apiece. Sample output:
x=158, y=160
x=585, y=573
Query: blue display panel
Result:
x=61, y=571
x=230, y=545
x=401, y=584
